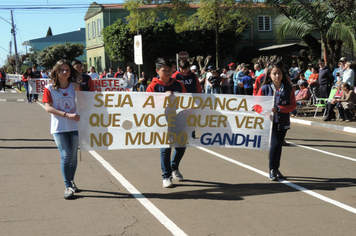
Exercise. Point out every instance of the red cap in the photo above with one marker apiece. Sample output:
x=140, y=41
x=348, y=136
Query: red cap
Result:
x=232, y=64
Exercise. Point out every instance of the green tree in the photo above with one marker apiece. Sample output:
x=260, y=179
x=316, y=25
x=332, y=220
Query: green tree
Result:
x=118, y=41
x=33, y=55
x=49, y=32
x=216, y=15
x=10, y=65
x=49, y=56
x=160, y=39
x=306, y=19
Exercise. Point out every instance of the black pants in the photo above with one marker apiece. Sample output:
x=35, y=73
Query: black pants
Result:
x=275, y=151
x=231, y=89
x=248, y=91
x=225, y=89
x=330, y=114
x=344, y=114
x=324, y=90
x=3, y=82
x=241, y=90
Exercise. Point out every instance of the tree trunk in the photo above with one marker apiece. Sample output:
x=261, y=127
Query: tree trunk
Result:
x=325, y=49
x=313, y=45
x=337, y=54
x=217, y=42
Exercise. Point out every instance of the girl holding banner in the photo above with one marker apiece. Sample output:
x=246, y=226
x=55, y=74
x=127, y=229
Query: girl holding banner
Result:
x=26, y=76
x=59, y=97
x=278, y=85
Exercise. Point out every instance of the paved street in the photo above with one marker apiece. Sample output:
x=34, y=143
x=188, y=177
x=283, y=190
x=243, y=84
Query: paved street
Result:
x=225, y=192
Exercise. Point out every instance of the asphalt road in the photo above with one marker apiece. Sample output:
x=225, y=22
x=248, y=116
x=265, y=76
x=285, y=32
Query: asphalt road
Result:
x=225, y=192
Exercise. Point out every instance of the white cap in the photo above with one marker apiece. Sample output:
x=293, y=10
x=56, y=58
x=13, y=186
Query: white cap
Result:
x=194, y=67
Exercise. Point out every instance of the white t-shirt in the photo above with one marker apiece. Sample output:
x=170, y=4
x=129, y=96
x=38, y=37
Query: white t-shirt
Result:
x=94, y=76
x=63, y=100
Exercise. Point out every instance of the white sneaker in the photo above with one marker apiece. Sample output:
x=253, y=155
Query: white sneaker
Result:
x=177, y=175
x=68, y=193
x=167, y=183
x=74, y=187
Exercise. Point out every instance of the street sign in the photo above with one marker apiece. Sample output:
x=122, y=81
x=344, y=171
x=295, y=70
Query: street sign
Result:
x=138, y=49
x=183, y=56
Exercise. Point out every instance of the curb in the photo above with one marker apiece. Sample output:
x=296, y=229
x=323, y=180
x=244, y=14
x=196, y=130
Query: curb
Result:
x=18, y=90
x=329, y=126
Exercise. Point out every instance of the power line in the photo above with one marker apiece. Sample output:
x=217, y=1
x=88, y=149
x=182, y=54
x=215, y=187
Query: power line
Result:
x=43, y=8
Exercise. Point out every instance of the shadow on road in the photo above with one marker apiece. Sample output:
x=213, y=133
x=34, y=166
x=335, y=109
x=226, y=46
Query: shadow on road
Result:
x=324, y=143
x=230, y=192
x=22, y=147
x=27, y=139
x=99, y=194
x=17, y=145
x=223, y=191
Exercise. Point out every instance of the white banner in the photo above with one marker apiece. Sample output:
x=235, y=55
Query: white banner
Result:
x=12, y=78
x=114, y=120
x=110, y=84
x=36, y=86
x=138, y=49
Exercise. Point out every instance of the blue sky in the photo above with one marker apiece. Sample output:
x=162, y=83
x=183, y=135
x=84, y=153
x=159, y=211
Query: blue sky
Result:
x=34, y=23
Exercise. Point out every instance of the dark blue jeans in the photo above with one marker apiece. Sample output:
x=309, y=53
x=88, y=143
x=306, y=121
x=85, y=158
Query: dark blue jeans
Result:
x=275, y=151
x=167, y=165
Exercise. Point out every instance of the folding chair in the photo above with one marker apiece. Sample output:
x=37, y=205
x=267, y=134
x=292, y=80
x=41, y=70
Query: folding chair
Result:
x=321, y=102
x=303, y=104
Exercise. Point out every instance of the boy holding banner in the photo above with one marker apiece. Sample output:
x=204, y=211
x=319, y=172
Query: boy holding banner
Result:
x=166, y=84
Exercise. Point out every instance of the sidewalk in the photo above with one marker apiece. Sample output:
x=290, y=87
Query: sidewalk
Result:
x=336, y=125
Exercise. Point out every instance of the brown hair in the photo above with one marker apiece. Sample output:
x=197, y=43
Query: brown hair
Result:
x=268, y=80
x=75, y=76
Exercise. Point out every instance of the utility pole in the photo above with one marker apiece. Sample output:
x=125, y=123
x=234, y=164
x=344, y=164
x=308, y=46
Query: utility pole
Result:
x=15, y=45
x=10, y=48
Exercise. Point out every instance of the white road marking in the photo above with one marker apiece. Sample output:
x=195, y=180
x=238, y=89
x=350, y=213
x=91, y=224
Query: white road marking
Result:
x=43, y=106
x=21, y=100
x=295, y=186
x=350, y=130
x=2, y=100
x=13, y=91
x=325, y=152
x=162, y=218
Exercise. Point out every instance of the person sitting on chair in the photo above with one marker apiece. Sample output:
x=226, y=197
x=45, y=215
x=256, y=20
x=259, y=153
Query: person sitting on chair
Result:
x=330, y=114
x=348, y=97
x=303, y=94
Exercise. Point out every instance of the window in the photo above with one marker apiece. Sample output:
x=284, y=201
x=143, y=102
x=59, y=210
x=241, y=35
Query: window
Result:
x=88, y=31
x=90, y=62
x=99, y=64
x=264, y=23
x=94, y=31
x=99, y=26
